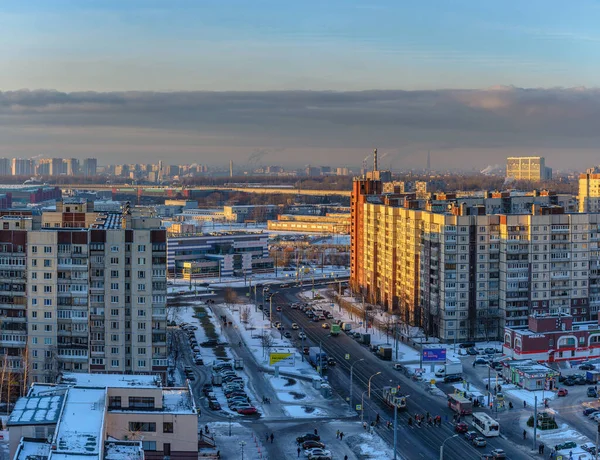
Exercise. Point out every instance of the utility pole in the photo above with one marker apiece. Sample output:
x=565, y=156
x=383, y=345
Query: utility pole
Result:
x=534, y=422
x=396, y=337
x=597, y=433
x=271, y=311
x=320, y=359
x=489, y=385
x=395, y=428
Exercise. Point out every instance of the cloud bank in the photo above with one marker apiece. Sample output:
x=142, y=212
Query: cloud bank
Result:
x=318, y=127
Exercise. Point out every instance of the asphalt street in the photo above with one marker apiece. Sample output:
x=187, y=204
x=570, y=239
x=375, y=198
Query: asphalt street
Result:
x=413, y=442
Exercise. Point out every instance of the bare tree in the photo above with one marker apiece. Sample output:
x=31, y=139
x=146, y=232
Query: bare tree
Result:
x=245, y=312
x=266, y=340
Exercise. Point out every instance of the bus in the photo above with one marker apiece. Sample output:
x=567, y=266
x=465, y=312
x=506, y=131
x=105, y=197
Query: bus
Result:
x=460, y=404
x=486, y=424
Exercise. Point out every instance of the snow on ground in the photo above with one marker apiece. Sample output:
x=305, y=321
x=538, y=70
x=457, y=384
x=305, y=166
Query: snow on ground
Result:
x=527, y=395
x=304, y=411
x=564, y=434
x=369, y=446
x=230, y=447
x=188, y=315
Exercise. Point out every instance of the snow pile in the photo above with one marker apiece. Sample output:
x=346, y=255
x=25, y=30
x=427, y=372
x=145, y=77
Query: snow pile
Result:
x=369, y=446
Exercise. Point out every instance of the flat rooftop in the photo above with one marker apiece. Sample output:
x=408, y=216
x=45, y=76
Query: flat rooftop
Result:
x=32, y=450
x=178, y=401
x=111, y=380
x=36, y=410
x=123, y=450
x=79, y=431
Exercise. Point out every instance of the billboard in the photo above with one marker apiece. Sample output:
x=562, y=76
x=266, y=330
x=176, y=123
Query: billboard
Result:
x=282, y=359
x=432, y=355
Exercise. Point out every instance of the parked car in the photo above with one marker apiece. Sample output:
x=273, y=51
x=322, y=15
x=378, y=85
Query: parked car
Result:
x=461, y=427
x=318, y=454
x=592, y=393
x=481, y=361
x=479, y=442
x=569, y=382
x=587, y=367
x=295, y=327
x=490, y=351
x=565, y=445
x=580, y=381
x=312, y=444
x=562, y=392
x=589, y=411
x=251, y=410
x=287, y=335
x=453, y=378
x=308, y=437
x=213, y=405
x=472, y=351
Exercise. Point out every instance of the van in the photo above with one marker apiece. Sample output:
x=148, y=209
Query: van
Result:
x=467, y=345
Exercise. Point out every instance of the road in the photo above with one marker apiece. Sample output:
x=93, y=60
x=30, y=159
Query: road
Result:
x=413, y=443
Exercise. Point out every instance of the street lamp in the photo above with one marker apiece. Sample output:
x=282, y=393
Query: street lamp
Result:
x=351, y=374
x=242, y=444
x=442, y=446
x=370, y=383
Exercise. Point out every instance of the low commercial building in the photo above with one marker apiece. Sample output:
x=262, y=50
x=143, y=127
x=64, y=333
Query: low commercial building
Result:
x=218, y=254
x=258, y=213
x=330, y=223
x=529, y=375
x=553, y=338
x=96, y=416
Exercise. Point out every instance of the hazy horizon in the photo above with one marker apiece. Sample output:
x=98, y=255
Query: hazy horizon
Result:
x=309, y=83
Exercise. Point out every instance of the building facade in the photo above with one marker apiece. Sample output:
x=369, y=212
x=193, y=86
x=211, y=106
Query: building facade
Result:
x=528, y=168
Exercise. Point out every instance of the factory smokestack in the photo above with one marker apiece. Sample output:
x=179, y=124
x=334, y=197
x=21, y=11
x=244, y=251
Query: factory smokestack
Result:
x=374, y=160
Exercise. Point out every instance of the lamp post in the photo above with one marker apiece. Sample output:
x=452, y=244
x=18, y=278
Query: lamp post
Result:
x=242, y=444
x=351, y=375
x=442, y=446
x=369, y=387
x=362, y=406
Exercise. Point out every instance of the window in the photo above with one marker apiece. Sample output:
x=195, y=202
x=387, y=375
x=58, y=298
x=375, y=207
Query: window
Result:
x=141, y=287
x=48, y=328
x=167, y=427
x=34, y=263
x=141, y=274
x=114, y=350
x=114, y=363
x=114, y=337
x=114, y=312
x=114, y=325
x=114, y=249
x=114, y=286
x=141, y=312
x=34, y=249
x=47, y=263
x=114, y=401
x=141, y=260
x=48, y=341
x=47, y=289
x=141, y=351
x=114, y=299
x=149, y=445
x=142, y=248
x=141, y=338
x=34, y=302
x=47, y=249
x=142, y=326
x=34, y=313
x=47, y=302
x=114, y=273
x=114, y=260
x=33, y=288
x=34, y=340
x=47, y=276
x=141, y=363
x=141, y=402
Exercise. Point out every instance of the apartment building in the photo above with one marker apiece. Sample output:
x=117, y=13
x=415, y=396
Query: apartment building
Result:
x=98, y=417
x=462, y=274
x=528, y=168
x=96, y=298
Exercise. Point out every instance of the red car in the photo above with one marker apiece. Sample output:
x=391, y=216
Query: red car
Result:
x=461, y=427
x=563, y=392
x=247, y=411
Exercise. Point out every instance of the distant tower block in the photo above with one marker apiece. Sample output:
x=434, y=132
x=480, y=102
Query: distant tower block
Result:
x=230, y=168
x=428, y=161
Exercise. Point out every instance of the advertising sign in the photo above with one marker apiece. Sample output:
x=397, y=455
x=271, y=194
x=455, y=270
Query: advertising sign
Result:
x=432, y=355
x=282, y=359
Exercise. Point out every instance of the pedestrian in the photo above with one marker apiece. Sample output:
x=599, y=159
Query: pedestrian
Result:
x=524, y=434
x=542, y=448
x=551, y=455
x=365, y=426
x=345, y=457
x=341, y=435
x=267, y=436
x=337, y=434
x=316, y=432
x=272, y=437
x=473, y=363
x=218, y=454
x=524, y=404
x=206, y=429
x=299, y=450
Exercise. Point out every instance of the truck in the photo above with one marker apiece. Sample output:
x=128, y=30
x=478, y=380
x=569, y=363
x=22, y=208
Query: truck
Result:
x=592, y=376
x=384, y=352
x=346, y=327
x=335, y=330
x=450, y=368
x=460, y=404
x=317, y=357
x=365, y=339
x=238, y=363
x=393, y=398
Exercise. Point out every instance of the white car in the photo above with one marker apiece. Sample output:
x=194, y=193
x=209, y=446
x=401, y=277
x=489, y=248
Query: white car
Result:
x=302, y=335
x=318, y=453
x=295, y=326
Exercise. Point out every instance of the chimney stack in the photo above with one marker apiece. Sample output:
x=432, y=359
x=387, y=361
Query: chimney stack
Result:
x=374, y=159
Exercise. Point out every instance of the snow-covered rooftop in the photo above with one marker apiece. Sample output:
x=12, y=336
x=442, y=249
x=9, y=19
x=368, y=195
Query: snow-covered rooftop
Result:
x=178, y=401
x=32, y=450
x=123, y=450
x=79, y=431
x=111, y=380
x=36, y=410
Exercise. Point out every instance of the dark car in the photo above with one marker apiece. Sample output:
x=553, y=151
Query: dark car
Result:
x=214, y=405
x=461, y=427
x=565, y=445
x=453, y=378
x=481, y=361
x=470, y=435
x=589, y=411
x=467, y=345
x=587, y=367
x=308, y=437
x=312, y=444
x=580, y=381
x=287, y=335
x=592, y=393
x=331, y=362
x=472, y=351
x=569, y=382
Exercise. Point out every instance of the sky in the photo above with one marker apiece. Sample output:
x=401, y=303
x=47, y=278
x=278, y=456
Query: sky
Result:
x=131, y=80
